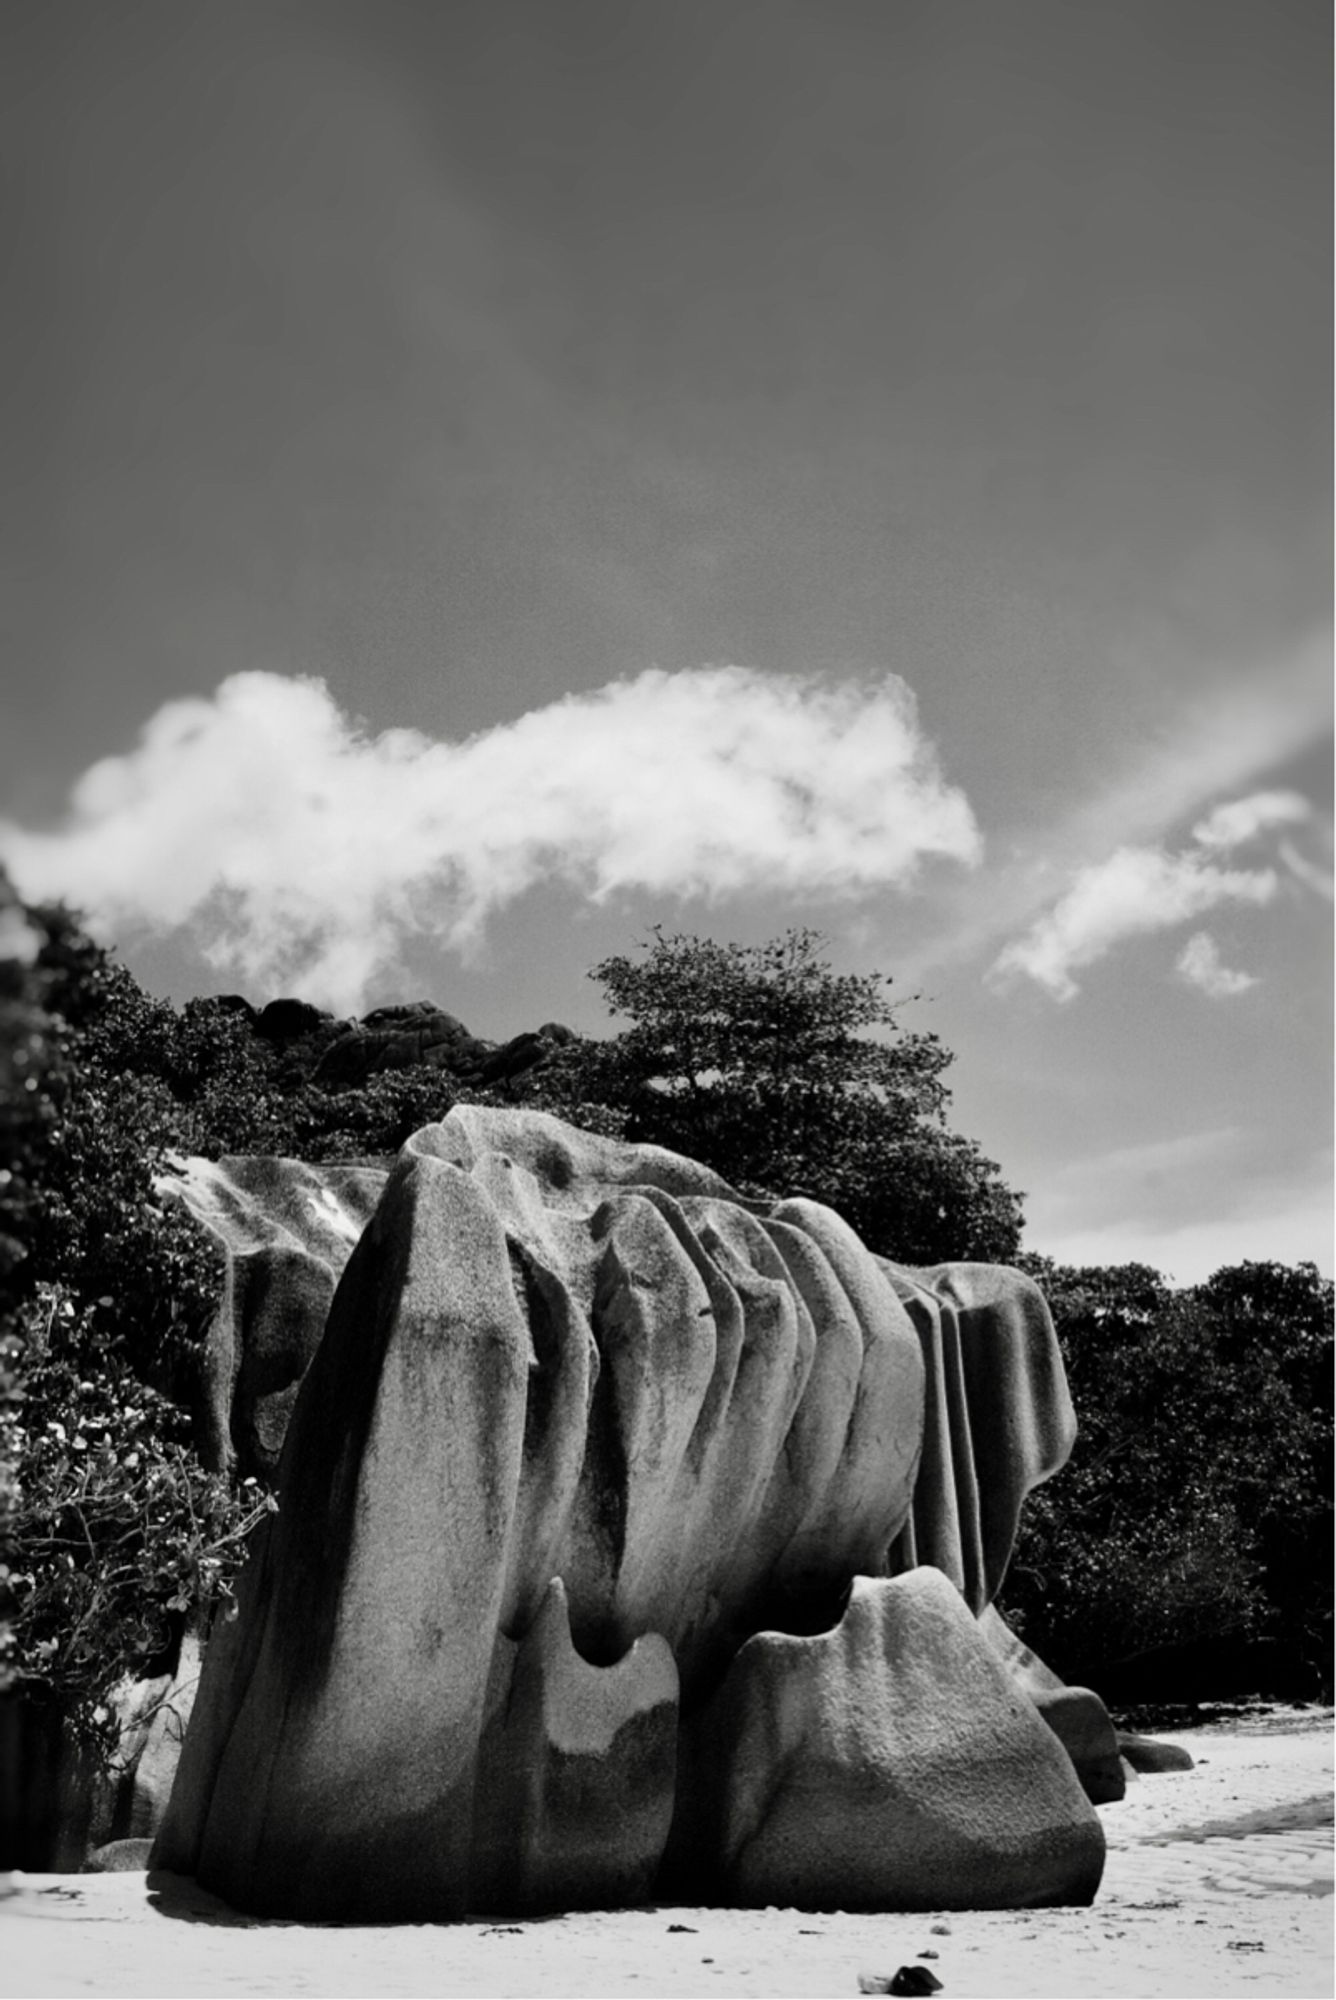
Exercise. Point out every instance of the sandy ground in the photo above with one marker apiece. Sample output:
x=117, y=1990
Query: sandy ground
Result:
x=1219, y=1882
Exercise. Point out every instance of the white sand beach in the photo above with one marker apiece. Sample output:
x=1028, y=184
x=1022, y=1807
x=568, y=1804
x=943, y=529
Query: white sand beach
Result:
x=1218, y=1883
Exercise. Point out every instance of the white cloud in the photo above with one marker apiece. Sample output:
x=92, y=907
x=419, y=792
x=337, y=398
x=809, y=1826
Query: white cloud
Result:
x=1319, y=880
x=1241, y=820
x=1200, y=965
x=297, y=847
x=1135, y=891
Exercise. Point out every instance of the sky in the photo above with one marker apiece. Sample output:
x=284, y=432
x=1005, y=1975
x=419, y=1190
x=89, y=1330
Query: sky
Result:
x=481, y=481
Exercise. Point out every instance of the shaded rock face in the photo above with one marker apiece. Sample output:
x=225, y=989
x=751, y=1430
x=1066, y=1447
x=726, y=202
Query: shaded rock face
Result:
x=286, y=1230
x=885, y=1764
x=582, y=1423
x=282, y=1020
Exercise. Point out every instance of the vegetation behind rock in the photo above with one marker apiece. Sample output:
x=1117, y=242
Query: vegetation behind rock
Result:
x=1195, y=1506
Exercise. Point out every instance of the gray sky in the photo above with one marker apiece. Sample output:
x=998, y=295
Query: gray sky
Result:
x=479, y=360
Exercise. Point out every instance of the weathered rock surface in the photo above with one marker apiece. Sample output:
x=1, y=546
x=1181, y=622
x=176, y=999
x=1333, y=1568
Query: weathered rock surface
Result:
x=555, y=1356
x=887, y=1764
x=154, y=1716
x=999, y=1418
x=286, y=1231
x=576, y=1771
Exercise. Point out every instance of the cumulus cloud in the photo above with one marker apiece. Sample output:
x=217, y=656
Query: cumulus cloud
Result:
x=1199, y=963
x=1135, y=891
x=296, y=846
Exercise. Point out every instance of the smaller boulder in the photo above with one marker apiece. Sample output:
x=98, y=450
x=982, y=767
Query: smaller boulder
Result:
x=119, y=1857
x=1147, y=1755
x=1081, y=1723
x=889, y=1764
x=513, y=1058
x=287, y=1020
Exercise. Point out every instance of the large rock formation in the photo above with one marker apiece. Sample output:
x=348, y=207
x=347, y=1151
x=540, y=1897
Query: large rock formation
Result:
x=581, y=1425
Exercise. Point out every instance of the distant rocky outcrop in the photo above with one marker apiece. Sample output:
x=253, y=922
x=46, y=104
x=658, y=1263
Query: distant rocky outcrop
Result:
x=396, y=1037
x=420, y=1032
x=284, y=1020
x=583, y=1433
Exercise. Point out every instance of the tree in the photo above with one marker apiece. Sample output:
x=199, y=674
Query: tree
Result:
x=1196, y=1502
x=789, y=1078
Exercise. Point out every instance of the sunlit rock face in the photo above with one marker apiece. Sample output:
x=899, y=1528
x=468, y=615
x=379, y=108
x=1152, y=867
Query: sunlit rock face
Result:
x=581, y=1424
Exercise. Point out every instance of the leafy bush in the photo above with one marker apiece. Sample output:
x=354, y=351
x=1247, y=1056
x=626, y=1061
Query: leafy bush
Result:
x=119, y=1534
x=112, y=1529
x=1196, y=1504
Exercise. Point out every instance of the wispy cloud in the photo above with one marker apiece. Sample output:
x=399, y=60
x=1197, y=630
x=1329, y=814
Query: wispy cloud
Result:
x=1199, y=963
x=1241, y=820
x=1313, y=877
x=294, y=846
x=1135, y=891
x=1204, y=747
x=1186, y=1205
x=1213, y=743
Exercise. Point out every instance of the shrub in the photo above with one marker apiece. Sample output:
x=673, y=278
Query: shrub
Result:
x=119, y=1535
x=115, y=1536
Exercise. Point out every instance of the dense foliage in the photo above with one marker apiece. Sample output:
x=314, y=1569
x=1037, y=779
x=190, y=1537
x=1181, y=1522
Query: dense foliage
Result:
x=789, y=1078
x=1197, y=1503
x=113, y=1532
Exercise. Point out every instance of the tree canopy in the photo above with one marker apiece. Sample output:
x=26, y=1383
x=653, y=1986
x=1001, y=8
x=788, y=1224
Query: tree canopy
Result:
x=789, y=1078
x=1197, y=1502
x=112, y=1533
